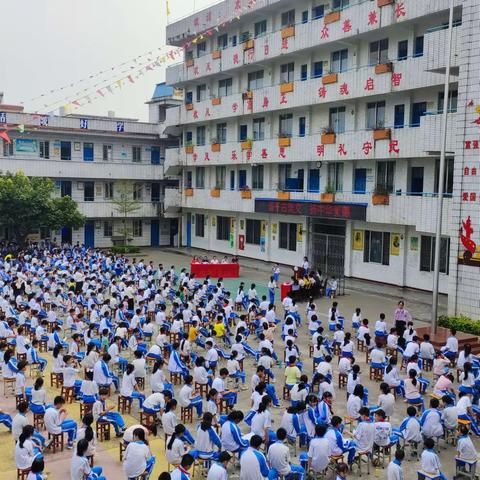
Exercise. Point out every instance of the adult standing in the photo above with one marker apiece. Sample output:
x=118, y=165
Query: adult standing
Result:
x=402, y=317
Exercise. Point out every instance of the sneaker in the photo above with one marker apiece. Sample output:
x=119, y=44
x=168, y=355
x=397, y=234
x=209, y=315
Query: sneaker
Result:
x=69, y=446
x=48, y=443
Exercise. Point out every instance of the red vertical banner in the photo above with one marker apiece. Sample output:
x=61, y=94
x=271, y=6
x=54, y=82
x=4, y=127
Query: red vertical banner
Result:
x=241, y=242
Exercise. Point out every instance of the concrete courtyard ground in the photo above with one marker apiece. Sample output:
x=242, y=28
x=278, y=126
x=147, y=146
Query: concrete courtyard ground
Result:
x=371, y=298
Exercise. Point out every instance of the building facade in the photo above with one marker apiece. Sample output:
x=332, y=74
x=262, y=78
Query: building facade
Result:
x=112, y=167
x=314, y=128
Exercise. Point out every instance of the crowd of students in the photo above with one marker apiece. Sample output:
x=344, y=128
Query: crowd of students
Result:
x=114, y=326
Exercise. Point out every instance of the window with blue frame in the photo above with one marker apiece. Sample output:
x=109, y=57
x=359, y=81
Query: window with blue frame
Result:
x=88, y=152
x=317, y=69
x=242, y=179
x=418, y=111
x=303, y=72
x=155, y=155
x=242, y=133
x=339, y=61
x=399, y=116
x=402, y=50
x=301, y=126
x=318, y=12
x=314, y=180
x=65, y=150
x=418, y=52
x=305, y=16
x=232, y=179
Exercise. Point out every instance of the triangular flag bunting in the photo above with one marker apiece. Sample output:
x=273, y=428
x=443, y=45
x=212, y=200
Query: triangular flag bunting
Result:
x=5, y=136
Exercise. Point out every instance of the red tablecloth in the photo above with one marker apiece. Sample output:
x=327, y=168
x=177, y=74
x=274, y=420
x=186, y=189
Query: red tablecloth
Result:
x=284, y=289
x=215, y=270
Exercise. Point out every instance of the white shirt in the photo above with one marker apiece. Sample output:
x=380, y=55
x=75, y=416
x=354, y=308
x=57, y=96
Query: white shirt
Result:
x=52, y=420
x=279, y=458
x=135, y=459
x=39, y=397
x=24, y=456
x=430, y=462
x=387, y=403
x=128, y=385
x=185, y=396
x=364, y=434
x=260, y=422
x=394, y=471
x=250, y=466
x=319, y=452
x=463, y=404
x=432, y=426
x=18, y=422
x=466, y=449
x=217, y=472
x=79, y=468
x=174, y=455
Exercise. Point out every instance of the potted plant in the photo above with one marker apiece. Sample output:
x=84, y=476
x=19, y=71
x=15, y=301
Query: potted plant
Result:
x=384, y=3
x=332, y=16
x=189, y=192
x=245, y=192
x=246, y=144
x=247, y=95
x=328, y=196
x=248, y=42
x=380, y=196
x=380, y=132
x=215, y=145
x=215, y=192
x=189, y=147
x=216, y=100
x=329, y=137
x=189, y=62
x=288, y=32
x=284, y=140
x=329, y=78
x=189, y=106
x=386, y=67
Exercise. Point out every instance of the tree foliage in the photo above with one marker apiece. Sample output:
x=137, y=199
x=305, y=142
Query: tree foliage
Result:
x=28, y=203
x=125, y=205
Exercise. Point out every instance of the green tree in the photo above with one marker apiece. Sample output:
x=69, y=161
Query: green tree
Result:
x=28, y=203
x=125, y=206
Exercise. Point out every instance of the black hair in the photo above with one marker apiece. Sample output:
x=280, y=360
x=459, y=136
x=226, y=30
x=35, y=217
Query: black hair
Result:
x=82, y=447
x=87, y=420
x=178, y=432
x=27, y=432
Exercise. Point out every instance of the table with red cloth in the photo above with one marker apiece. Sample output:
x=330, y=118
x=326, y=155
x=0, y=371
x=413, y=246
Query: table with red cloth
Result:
x=215, y=270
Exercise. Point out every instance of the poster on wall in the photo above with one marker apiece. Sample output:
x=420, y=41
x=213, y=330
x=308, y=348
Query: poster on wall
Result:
x=241, y=242
x=414, y=244
x=274, y=228
x=56, y=148
x=395, y=244
x=358, y=238
x=25, y=145
x=299, y=233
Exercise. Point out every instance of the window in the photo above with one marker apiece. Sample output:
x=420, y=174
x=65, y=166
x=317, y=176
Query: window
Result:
x=242, y=180
x=108, y=190
x=88, y=191
x=418, y=51
x=285, y=125
x=304, y=72
x=189, y=97
x=223, y=228
x=255, y=80
x=88, y=152
x=288, y=236
x=288, y=18
x=244, y=37
x=220, y=174
x=201, y=49
x=44, y=149
x=232, y=180
x=376, y=247
x=155, y=192
x=337, y=119
x=137, y=191
x=317, y=69
x=318, y=12
x=65, y=188
x=242, y=133
x=339, y=61
x=253, y=231
x=399, y=116
x=136, y=154
x=257, y=177
x=301, y=126
x=448, y=183
x=385, y=176
x=225, y=87
x=402, y=50
x=7, y=149
x=305, y=16
x=200, y=177
x=200, y=136
x=221, y=133
x=137, y=228
x=379, y=52
x=452, y=101
x=108, y=228
x=107, y=153
x=189, y=55
x=258, y=129
x=188, y=179
x=260, y=28
x=199, y=225
x=337, y=4
x=418, y=110
x=233, y=39
x=335, y=176
x=201, y=92
x=427, y=254
x=222, y=41
x=162, y=113
x=284, y=173
x=66, y=150
x=287, y=71
x=375, y=115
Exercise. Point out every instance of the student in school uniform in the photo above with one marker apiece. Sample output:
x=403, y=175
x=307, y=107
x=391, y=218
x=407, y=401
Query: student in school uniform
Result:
x=431, y=421
x=138, y=459
x=465, y=448
x=129, y=388
x=364, y=433
x=175, y=447
x=279, y=457
x=218, y=470
x=182, y=471
x=80, y=468
x=187, y=397
x=253, y=464
x=430, y=463
x=56, y=421
x=394, y=470
x=410, y=428
x=36, y=470
x=102, y=413
x=450, y=349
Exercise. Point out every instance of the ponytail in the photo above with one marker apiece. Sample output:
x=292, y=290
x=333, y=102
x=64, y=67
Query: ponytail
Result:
x=27, y=432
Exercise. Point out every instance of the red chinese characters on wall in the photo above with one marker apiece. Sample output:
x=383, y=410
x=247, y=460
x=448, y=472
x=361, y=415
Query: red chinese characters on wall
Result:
x=369, y=84
x=207, y=157
x=393, y=147
x=249, y=104
x=282, y=152
x=347, y=25
x=344, y=89
x=195, y=157
x=265, y=102
x=234, y=155
x=324, y=33
x=320, y=150
x=470, y=171
x=283, y=99
x=234, y=107
x=471, y=144
x=196, y=71
x=396, y=79
x=342, y=150
x=236, y=60
x=249, y=155
x=195, y=114
x=322, y=92
x=266, y=49
x=250, y=54
x=264, y=153
x=284, y=43
x=207, y=112
x=400, y=10
x=367, y=147
x=373, y=17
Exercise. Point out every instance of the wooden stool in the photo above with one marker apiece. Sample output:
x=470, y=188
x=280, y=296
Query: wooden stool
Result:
x=427, y=364
x=58, y=441
x=360, y=345
x=342, y=380
x=376, y=374
x=19, y=399
x=186, y=414
x=21, y=357
x=223, y=406
x=310, y=351
x=174, y=338
x=122, y=448
x=286, y=393
x=147, y=419
x=175, y=378
x=43, y=345
x=202, y=388
x=34, y=370
x=38, y=421
x=336, y=349
x=362, y=457
x=85, y=408
x=140, y=383
x=422, y=475
x=103, y=431
x=67, y=393
x=349, y=422
x=8, y=386
x=201, y=467
x=56, y=379
x=124, y=404
x=22, y=474
x=391, y=352
x=380, y=454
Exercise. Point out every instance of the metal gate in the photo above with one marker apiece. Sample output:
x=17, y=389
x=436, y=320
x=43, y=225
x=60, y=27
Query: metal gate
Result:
x=327, y=253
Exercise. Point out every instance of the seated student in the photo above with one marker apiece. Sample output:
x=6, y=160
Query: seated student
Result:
x=218, y=470
x=392, y=340
x=89, y=389
x=347, y=346
x=353, y=379
x=20, y=381
x=102, y=375
x=338, y=445
x=465, y=356
x=86, y=432
x=207, y=443
x=339, y=335
x=355, y=402
x=325, y=408
x=467, y=379
x=449, y=413
x=363, y=330
x=427, y=351
x=394, y=469
x=169, y=421
x=465, y=411
x=383, y=431
x=299, y=391
x=25, y=450
x=231, y=435
x=292, y=372
x=158, y=382
x=450, y=349
x=440, y=365
x=137, y=459
x=410, y=428
x=38, y=403
x=175, y=447
x=318, y=457
x=430, y=463
x=219, y=385
x=266, y=361
x=261, y=422
x=36, y=470
x=129, y=388
x=102, y=413
x=412, y=389
x=279, y=457
x=252, y=462
x=364, y=433
x=80, y=468
x=181, y=472
x=19, y=421
x=377, y=357
x=187, y=397
x=33, y=358
x=56, y=421
x=175, y=364
x=465, y=448
x=139, y=364
x=234, y=369
x=356, y=319
x=386, y=400
x=381, y=326
x=431, y=421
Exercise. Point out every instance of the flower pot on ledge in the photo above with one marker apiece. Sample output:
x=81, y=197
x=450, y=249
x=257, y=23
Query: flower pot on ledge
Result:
x=246, y=145
x=332, y=17
x=215, y=192
x=248, y=95
x=286, y=87
x=249, y=44
x=246, y=194
x=189, y=106
x=215, y=147
x=216, y=101
x=384, y=3
x=190, y=62
x=288, y=32
x=283, y=195
x=284, y=141
x=384, y=68
x=330, y=78
x=328, y=138
x=381, y=134
x=327, y=197
x=216, y=54
x=380, y=199
x=189, y=149
x=189, y=192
